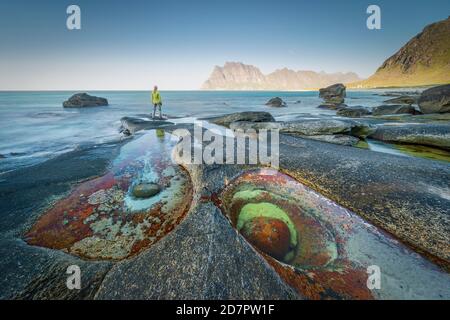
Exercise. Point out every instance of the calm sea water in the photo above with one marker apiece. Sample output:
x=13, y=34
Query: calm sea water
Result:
x=35, y=126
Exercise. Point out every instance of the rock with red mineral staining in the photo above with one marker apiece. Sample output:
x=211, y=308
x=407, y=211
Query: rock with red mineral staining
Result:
x=269, y=235
x=103, y=220
x=321, y=267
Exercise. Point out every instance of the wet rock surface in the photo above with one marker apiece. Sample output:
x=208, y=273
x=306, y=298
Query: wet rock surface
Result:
x=353, y=112
x=429, y=134
x=146, y=190
x=204, y=258
x=321, y=272
x=48, y=180
x=409, y=100
x=102, y=219
x=269, y=235
x=81, y=100
x=35, y=273
x=30, y=272
x=130, y=125
x=393, y=109
x=276, y=102
x=310, y=127
x=226, y=120
x=390, y=196
x=435, y=100
x=426, y=118
x=333, y=106
x=334, y=94
x=342, y=139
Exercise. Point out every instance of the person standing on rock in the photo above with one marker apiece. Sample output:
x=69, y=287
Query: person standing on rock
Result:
x=156, y=101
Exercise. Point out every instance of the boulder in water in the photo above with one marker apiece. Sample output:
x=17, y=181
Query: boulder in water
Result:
x=402, y=100
x=333, y=94
x=81, y=100
x=353, y=112
x=270, y=235
x=333, y=106
x=393, y=109
x=146, y=190
x=131, y=125
x=341, y=139
x=276, y=102
x=226, y=120
x=314, y=127
x=428, y=134
x=435, y=100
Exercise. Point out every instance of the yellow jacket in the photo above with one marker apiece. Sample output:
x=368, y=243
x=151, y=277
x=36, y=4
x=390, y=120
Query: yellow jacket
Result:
x=156, y=97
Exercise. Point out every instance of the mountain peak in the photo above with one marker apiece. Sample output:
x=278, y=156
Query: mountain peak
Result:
x=240, y=76
x=423, y=60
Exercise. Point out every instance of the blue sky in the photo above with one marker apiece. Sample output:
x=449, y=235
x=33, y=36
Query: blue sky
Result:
x=134, y=44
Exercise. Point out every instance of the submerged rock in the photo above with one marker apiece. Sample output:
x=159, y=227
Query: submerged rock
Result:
x=203, y=258
x=276, y=102
x=342, y=139
x=436, y=135
x=226, y=120
x=435, y=100
x=146, y=190
x=81, y=100
x=329, y=259
x=333, y=94
x=101, y=219
x=332, y=106
x=269, y=235
x=130, y=125
x=393, y=109
x=398, y=93
x=431, y=117
x=402, y=100
x=313, y=127
x=353, y=112
x=342, y=132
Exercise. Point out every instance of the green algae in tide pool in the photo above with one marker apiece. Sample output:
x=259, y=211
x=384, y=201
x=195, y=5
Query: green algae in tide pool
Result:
x=333, y=246
x=424, y=152
x=362, y=144
x=267, y=210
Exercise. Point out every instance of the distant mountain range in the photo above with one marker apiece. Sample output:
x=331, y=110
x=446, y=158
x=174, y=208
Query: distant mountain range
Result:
x=239, y=76
x=424, y=60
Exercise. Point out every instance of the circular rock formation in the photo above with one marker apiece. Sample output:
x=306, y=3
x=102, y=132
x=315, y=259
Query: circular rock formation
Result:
x=115, y=216
x=270, y=235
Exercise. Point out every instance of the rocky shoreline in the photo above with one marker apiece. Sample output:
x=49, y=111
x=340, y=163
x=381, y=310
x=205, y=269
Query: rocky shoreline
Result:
x=356, y=183
x=357, y=206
